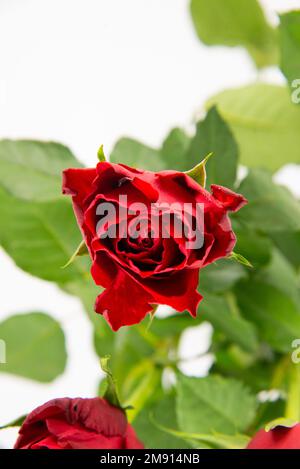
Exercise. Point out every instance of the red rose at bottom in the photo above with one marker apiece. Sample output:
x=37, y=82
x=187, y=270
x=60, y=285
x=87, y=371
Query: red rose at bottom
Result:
x=77, y=424
x=278, y=438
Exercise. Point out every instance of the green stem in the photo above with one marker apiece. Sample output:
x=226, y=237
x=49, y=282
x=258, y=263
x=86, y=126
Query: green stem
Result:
x=292, y=410
x=143, y=392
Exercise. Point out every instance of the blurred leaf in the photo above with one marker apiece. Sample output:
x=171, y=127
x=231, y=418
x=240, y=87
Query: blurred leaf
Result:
x=221, y=276
x=264, y=122
x=149, y=381
x=254, y=246
x=213, y=404
x=289, y=244
x=217, y=311
x=280, y=273
x=174, y=150
x=235, y=23
x=289, y=40
x=213, y=135
x=255, y=371
x=129, y=349
x=270, y=207
x=161, y=410
x=215, y=440
x=268, y=411
x=35, y=346
x=15, y=423
x=275, y=314
x=237, y=257
x=41, y=237
x=136, y=154
x=32, y=170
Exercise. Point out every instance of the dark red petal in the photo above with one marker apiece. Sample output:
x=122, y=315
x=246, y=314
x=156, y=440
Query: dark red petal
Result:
x=92, y=440
x=49, y=442
x=124, y=302
x=103, y=269
x=177, y=290
x=98, y=415
x=229, y=199
x=279, y=438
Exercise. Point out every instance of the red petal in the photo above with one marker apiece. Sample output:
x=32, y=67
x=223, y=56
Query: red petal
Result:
x=229, y=199
x=179, y=290
x=124, y=302
x=78, y=184
x=279, y=438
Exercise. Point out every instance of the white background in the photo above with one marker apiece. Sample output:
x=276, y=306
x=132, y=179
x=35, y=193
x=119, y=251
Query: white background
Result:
x=85, y=72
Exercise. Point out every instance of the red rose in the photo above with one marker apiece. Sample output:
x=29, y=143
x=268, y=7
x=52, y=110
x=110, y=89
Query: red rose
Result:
x=278, y=438
x=157, y=267
x=77, y=424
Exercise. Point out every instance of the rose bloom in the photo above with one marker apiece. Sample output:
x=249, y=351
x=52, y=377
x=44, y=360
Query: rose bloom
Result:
x=156, y=267
x=278, y=438
x=77, y=424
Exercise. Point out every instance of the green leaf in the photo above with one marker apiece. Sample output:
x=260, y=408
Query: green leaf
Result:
x=288, y=242
x=253, y=245
x=275, y=314
x=137, y=155
x=270, y=207
x=15, y=423
x=217, y=310
x=35, y=346
x=280, y=273
x=162, y=410
x=213, y=135
x=235, y=256
x=32, y=170
x=280, y=422
x=221, y=276
x=235, y=23
x=198, y=172
x=214, y=405
x=100, y=154
x=255, y=370
x=143, y=391
x=111, y=394
x=41, y=237
x=81, y=250
x=128, y=349
x=215, y=440
x=174, y=150
x=289, y=40
x=264, y=122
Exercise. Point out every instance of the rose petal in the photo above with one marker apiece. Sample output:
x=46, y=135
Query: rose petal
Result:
x=124, y=302
x=229, y=199
x=178, y=290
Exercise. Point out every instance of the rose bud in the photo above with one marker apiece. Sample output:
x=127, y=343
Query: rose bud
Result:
x=139, y=258
x=77, y=424
x=279, y=437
